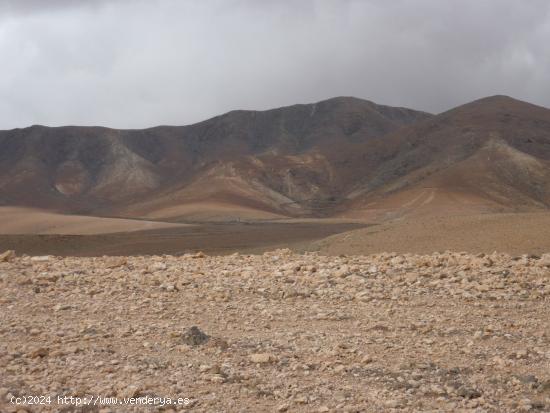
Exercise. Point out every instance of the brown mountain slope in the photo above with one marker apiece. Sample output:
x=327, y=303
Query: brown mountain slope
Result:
x=491, y=154
x=286, y=161
x=340, y=157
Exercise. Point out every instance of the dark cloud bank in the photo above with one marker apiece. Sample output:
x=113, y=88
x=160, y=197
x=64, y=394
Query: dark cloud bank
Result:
x=137, y=63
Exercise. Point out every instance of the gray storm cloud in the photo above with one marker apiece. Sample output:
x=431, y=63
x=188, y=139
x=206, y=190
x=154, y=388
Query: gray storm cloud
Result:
x=131, y=64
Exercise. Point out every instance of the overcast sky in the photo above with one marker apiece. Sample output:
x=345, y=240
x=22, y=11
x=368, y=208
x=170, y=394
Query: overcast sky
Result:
x=138, y=63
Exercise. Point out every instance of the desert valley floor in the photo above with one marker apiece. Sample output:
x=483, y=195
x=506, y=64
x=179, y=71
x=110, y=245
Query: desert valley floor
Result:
x=37, y=232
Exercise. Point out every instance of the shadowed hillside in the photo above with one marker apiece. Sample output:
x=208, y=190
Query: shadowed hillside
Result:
x=340, y=157
x=287, y=161
x=491, y=154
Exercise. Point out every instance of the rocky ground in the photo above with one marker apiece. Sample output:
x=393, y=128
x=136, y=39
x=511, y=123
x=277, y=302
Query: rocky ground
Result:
x=278, y=332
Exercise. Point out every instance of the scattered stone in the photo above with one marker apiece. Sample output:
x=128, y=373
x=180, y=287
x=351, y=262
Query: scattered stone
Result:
x=130, y=391
x=262, y=358
x=358, y=333
x=158, y=266
x=41, y=258
x=366, y=359
x=468, y=393
x=116, y=262
x=283, y=407
x=194, y=337
x=39, y=352
x=61, y=307
x=7, y=256
x=393, y=404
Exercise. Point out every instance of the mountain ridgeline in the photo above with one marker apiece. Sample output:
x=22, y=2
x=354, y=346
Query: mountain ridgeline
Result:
x=339, y=157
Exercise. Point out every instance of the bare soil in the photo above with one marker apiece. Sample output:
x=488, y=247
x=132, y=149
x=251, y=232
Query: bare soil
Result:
x=223, y=238
x=17, y=220
x=518, y=233
x=278, y=332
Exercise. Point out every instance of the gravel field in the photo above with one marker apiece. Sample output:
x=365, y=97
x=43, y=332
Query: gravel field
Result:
x=278, y=332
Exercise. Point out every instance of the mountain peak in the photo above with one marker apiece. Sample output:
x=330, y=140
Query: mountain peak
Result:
x=498, y=98
x=501, y=104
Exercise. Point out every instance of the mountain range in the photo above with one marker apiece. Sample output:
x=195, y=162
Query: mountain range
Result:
x=342, y=157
